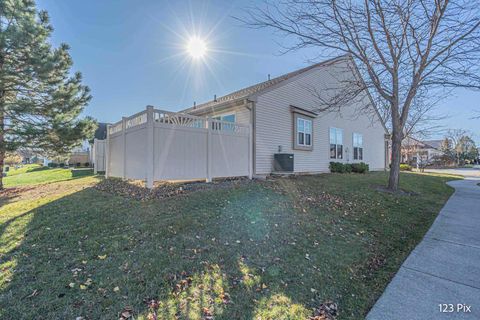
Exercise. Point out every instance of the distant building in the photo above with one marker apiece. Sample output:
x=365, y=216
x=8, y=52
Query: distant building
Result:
x=414, y=150
x=82, y=155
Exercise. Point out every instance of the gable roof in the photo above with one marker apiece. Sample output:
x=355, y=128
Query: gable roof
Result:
x=435, y=144
x=259, y=87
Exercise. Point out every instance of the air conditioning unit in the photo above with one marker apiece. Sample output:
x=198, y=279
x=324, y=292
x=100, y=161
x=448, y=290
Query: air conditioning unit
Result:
x=283, y=162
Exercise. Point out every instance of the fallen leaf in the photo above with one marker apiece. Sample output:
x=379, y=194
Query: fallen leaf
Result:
x=102, y=257
x=126, y=313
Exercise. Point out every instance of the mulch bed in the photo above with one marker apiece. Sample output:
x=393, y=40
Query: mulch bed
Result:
x=135, y=189
x=399, y=192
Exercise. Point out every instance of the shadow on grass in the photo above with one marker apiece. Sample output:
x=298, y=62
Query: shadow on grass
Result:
x=79, y=173
x=90, y=254
x=42, y=168
x=241, y=253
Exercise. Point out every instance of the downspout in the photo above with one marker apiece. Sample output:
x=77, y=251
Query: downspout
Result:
x=250, y=105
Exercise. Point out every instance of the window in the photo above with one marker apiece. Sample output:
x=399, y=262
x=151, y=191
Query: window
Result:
x=357, y=146
x=226, y=118
x=336, y=143
x=304, y=132
x=302, y=135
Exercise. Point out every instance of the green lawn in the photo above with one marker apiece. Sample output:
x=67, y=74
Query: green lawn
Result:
x=36, y=174
x=262, y=250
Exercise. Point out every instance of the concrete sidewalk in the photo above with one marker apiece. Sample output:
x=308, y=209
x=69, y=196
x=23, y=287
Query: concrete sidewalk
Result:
x=445, y=267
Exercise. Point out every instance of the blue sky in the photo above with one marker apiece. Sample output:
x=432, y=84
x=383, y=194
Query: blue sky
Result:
x=132, y=53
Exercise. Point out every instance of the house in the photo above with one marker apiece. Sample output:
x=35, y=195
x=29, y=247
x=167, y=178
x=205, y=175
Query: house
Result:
x=280, y=125
x=427, y=151
x=284, y=115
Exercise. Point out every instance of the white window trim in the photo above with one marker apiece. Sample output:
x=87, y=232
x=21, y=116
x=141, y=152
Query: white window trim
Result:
x=355, y=145
x=336, y=143
x=304, y=120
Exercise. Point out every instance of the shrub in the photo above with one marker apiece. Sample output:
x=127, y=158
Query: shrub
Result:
x=53, y=165
x=361, y=167
x=337, y=167
x=61, y=165
x=405, y=167
x=348, y=167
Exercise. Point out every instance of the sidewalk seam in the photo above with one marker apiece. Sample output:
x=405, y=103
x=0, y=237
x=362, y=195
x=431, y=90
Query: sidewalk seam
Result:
x=452, y=242
x=438, y=277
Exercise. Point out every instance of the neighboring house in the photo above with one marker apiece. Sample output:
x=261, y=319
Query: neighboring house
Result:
x=434, y=148
x=285, y=119
x=80, y=156
x=427, y=151
x=83, y=154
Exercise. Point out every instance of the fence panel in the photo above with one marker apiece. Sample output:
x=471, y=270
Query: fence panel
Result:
x=98, y=156
x=180, y=153
x=183, y=147
x=136, y=153
x=229, y=155
x=115, y=156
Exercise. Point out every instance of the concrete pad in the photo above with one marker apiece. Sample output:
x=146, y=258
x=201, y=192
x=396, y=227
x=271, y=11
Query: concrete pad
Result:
x=413, y=295
x=447, y=260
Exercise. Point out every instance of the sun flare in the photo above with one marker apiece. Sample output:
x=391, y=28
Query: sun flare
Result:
x=196, y=47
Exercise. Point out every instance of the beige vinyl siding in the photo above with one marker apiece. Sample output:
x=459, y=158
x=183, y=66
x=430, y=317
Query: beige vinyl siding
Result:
x=274, y=126
x=242, y=115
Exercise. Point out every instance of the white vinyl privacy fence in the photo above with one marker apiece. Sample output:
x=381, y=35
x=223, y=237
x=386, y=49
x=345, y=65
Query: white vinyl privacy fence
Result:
x=159, y=145
x=98, y=155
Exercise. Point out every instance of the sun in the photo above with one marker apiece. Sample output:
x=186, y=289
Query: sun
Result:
x=196, y=47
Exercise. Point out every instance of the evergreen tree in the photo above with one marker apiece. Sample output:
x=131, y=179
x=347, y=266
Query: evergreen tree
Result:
x=447, y=149
x=40, y=100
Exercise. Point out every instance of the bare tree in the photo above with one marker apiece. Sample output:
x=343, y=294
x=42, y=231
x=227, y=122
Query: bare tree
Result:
x=462, y=147
x=410, y=53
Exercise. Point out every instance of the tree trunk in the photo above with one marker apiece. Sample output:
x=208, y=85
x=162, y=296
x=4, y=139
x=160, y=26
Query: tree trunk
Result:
x=394, y=177
x=2, y=143
x=2, y=158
